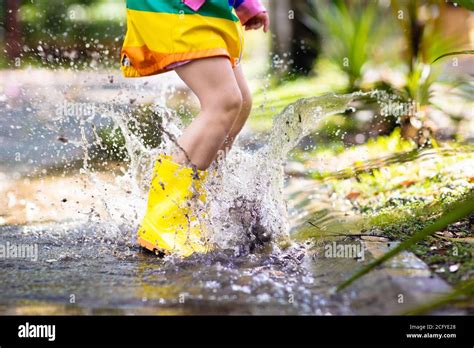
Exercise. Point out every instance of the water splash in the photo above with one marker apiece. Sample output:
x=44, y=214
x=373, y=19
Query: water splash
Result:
x=245, y=208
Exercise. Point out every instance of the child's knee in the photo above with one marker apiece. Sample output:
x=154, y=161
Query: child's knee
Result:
x=227, y=101
x=232, y=102
x=225, y=110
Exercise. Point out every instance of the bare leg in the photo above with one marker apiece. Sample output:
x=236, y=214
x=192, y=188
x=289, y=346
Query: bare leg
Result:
x=244, y=112
x=214, y=83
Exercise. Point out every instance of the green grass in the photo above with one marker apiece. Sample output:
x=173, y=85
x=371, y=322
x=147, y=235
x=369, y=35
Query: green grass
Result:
x=451, y=246
x=399, y=191
x=450, y=214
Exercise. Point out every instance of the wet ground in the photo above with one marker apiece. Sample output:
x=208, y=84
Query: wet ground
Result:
x=107, y=278
x=78, y=273
x=82, y=267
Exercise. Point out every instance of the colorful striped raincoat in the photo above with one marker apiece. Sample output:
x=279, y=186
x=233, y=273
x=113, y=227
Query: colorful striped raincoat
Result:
x=163, y=34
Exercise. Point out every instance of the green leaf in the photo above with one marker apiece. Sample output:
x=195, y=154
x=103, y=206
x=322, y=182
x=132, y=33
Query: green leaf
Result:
x=469, y=4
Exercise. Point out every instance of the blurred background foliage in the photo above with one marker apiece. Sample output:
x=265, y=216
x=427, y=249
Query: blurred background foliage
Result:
x=63, y=33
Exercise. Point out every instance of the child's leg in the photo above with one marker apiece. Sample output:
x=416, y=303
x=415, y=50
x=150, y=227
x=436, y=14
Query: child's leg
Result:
x=214, y=83
x=244, y=112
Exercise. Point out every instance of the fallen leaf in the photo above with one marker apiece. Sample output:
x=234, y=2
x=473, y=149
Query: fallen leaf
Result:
x=353, y=195
x=407, y=183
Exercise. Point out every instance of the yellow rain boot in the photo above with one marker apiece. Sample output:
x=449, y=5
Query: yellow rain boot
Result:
x=170, y=225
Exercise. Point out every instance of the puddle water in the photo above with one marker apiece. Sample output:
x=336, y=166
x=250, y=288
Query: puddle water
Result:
x=94, y=266
x=110, y=277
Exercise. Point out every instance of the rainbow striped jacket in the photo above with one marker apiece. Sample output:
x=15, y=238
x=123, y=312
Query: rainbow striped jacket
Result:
x=163, y=34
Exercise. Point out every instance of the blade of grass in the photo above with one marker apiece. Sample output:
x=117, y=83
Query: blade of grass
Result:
x=453, y=213
x=453, y=54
